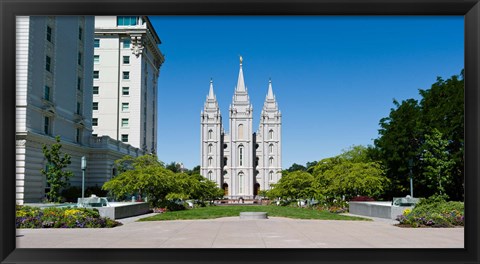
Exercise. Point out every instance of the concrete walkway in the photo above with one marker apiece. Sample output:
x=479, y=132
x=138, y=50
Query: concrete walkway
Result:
x=233, y=232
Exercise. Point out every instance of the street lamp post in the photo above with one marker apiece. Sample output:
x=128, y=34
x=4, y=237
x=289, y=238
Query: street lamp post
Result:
x=410, y=165
x=83, y=166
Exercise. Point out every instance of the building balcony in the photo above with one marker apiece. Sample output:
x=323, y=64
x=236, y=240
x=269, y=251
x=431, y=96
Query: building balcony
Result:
x=105, y=142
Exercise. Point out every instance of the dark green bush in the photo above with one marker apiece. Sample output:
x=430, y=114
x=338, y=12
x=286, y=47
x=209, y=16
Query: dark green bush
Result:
x=173, y=205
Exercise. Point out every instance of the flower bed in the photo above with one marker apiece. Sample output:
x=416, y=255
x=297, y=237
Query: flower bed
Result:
x=433, y=212
x=34, y=217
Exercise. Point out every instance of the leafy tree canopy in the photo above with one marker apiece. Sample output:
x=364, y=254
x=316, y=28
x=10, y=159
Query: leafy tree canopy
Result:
x=402, y=136
x=147, y=176
x=349, y=174
x=294, y=185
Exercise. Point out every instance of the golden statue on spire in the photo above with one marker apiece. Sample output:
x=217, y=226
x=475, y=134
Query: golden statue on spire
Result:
x=241, y=59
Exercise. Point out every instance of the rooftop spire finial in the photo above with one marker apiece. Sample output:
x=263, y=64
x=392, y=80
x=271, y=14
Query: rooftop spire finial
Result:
x=270, y=91
x=211, y=95
x=241, y=83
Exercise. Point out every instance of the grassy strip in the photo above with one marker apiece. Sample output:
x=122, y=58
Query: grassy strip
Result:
x=228, y=211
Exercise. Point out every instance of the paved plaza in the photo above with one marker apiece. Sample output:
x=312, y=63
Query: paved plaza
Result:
x=233, y=232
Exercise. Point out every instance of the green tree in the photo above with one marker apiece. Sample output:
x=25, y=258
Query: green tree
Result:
x=129, y=163
x=148, y=177
x=310, y=166
x=294, y=185
x=436, y=162
x=57, y=177
x=443, y=108
x=174, y=166
x=144, y=175
x=296, y=167
x=401, y=134
x=204, y=189
x=349, y=174
x=195, y=170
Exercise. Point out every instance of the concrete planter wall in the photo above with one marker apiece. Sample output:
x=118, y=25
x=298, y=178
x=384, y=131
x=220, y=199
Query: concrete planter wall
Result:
x=122, y=210
x=377, y=209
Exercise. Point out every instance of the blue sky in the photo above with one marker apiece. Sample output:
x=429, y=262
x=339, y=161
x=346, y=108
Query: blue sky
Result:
x=334, y=77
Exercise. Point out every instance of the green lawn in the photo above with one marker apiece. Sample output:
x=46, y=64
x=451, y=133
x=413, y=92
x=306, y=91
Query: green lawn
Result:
x=272, y=210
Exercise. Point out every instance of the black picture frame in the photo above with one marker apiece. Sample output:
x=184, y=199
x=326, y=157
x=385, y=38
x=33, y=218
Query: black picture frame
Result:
x=11, y=8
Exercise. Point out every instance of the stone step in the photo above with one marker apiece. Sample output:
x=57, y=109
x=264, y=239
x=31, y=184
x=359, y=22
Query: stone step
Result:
x=253, y=215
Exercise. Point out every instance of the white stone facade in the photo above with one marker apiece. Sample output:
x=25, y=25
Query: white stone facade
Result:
x=54, y=66
x=241, y=162
x=127, y=64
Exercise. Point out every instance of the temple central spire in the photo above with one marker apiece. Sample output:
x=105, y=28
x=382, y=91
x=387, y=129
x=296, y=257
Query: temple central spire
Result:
x=240, y=83
x=210, y=92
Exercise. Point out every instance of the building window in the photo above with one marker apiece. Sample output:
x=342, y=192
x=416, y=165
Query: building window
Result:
x=270, y=134
x=94, y=121
x=124, y=122
x=240, y=131
x=270, y=148
x=126, y=59
x=96, y=43
x=79, y=83
x=126, y=43
x=48, y=62
x=126, y=75
x=95, y=106
x=240, y=156
x=127, y=20
x=96, y=74
x=210, y=148
x=49, y=33
x=240, y=183
x=210, y=134
x=79, y=59
x=79, y=108
x=225, y=161
x=95, y=89
x=210, y=162
x=271, y=161
x=125, y=90
x=270, y=175
x=210, y=175
x=80, y=33
x=124, y=137
x=96, y=58
x=46, y=94
x=94, y=135
x=46, y=125
x=78, y=135
x=125, y=106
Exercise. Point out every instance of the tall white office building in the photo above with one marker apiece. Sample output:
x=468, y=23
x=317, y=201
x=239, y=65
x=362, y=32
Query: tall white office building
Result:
x=241, y=162
x=127, y=64
x=54, y=67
